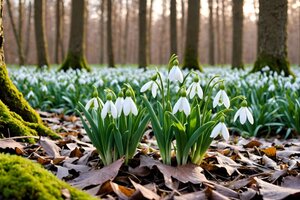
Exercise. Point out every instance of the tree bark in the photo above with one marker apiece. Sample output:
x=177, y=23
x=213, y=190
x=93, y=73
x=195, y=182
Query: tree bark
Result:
x=58, y=30
x=28, y=31
x=17, y=117
x=41, y=43
x=224, y=27
x=173, y=27
x=272, y=36
x=110, y=51
x=150, y=32
x=76, y=52
x=101, y=31
x=162, y=33
x=183, y=28
x=218, y=38
x=237, y=34
x=192, y=30
x=142, y=33
x=211, y=35
x=17, y=33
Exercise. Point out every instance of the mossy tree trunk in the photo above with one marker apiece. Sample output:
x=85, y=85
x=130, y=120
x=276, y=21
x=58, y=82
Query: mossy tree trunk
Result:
x=17, y=117
x=143, y=34
x=76, y=53
x=237, y=34
x=110, y=50
x=173, y=27
x=41, y=42
x=190, y=59
x=272, y=36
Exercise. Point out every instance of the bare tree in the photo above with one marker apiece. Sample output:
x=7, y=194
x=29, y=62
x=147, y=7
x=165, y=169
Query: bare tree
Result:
x=28, y=31
x=211, y=35
x=110, y=50
x=162, y=32
x=272, y=36
x=76, y=52
x=192, y=29
x=237, y=34
x=142, y=33
x=41, y=42
x=224, y=28
x=101, y=31
x=218, y=32
x=150, y=32
x=173, y=27
x=58, y=29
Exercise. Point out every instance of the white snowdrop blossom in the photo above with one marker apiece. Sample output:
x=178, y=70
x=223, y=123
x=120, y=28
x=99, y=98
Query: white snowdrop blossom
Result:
x=244, y=114
x=194, y=89
x=30, y=94
x=109, y=107
x=44, y=88
x=182, y=105
x=119, y=105
x=221, y=98
x=175, y=74
x=220, y=128
x=93, y=103
x=129, y=105
x=150, y=85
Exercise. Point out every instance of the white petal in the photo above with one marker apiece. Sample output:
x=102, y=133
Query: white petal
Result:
x=177, y=106
x=225, y=132
x=88, y=104
x=193, y=91
x=237, y=114
x=186, y=106
x=113, y=110
x=217, y=129
x=243, y=116
x=249, y=116
x=225, y=99
x=188, y=91
x=105, y=110
x=199, y=91
x=119, y=105
x=146, y=86
x=179, y=75
x=133, y=108
x=217, y=99
x=96, y=104
x=126, y=106
x=154, y=90
x=172, y=74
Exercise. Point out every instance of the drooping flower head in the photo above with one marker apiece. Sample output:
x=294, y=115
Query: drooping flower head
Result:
x=221, y=98
x=244, y=113
x=175, y=74
x=119, y=103
x=95, y=102
x=151, y=85
x=182, y=105
x=195, y=88
x=109, y=107
x=129, y=105
x=220, y=129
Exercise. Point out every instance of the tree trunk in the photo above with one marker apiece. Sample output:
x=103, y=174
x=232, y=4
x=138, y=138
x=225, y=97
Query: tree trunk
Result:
x=28, y=31
x=61, y=41
x=17, y=33
x=272, y=36
x=211, y=35
x=150, y=32
x=101, y=31
x=142, y=33
x=17, y=117
x=218, y=33
x=183, y=28
x=162, y=33
x=39, y=23
x=76, y=57
x=237, y=34
x=173, y=27
x=110, y=51
x=224, y=40
x=192, y=30
x=58, y=30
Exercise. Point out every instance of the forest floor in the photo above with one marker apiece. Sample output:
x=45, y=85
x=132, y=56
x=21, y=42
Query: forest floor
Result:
x=252, y=168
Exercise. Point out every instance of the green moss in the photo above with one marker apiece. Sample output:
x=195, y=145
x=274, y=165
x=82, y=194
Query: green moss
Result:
x=20, y=178
x=11, y=124
x=74, y=61
x=14, y=99
x=190, y=61
x=277, y=64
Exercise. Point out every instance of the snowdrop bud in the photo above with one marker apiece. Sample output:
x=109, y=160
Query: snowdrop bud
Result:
x=153, y=78
x=244, y=103
x=95, y=92
x=128, y=93
x=222, y=119
x=109, y=97
x=196, y=79
x=182, y=92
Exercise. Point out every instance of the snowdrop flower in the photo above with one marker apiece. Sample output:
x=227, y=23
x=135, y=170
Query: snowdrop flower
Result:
x=220, y=128
x=182, y=104
x=151, y=84
x=109, y=107
x=94, y=102
x=221, y=98
x=44, y=88
x=244, y=114
x=195, y=88
x=119, y=103
x=129, y=105
x=71, y=87
x=175, y=74
x=30, y=94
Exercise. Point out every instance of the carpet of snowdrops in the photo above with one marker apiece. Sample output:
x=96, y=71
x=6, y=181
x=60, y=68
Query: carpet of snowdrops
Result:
x=274, y=100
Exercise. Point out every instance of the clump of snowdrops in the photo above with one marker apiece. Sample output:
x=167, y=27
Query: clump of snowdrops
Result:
x=187, y=125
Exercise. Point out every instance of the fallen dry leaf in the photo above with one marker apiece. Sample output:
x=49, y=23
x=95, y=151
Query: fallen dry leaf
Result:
x=97, y=177
x=62, y=172
x=253, y=143
x=270, y=152
x=122, y=191
x=291, y=182
x=145, y=192
x=50, y=147
x=11, y=144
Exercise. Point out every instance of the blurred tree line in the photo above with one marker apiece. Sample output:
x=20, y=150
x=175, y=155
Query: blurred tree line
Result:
x=222, y=29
